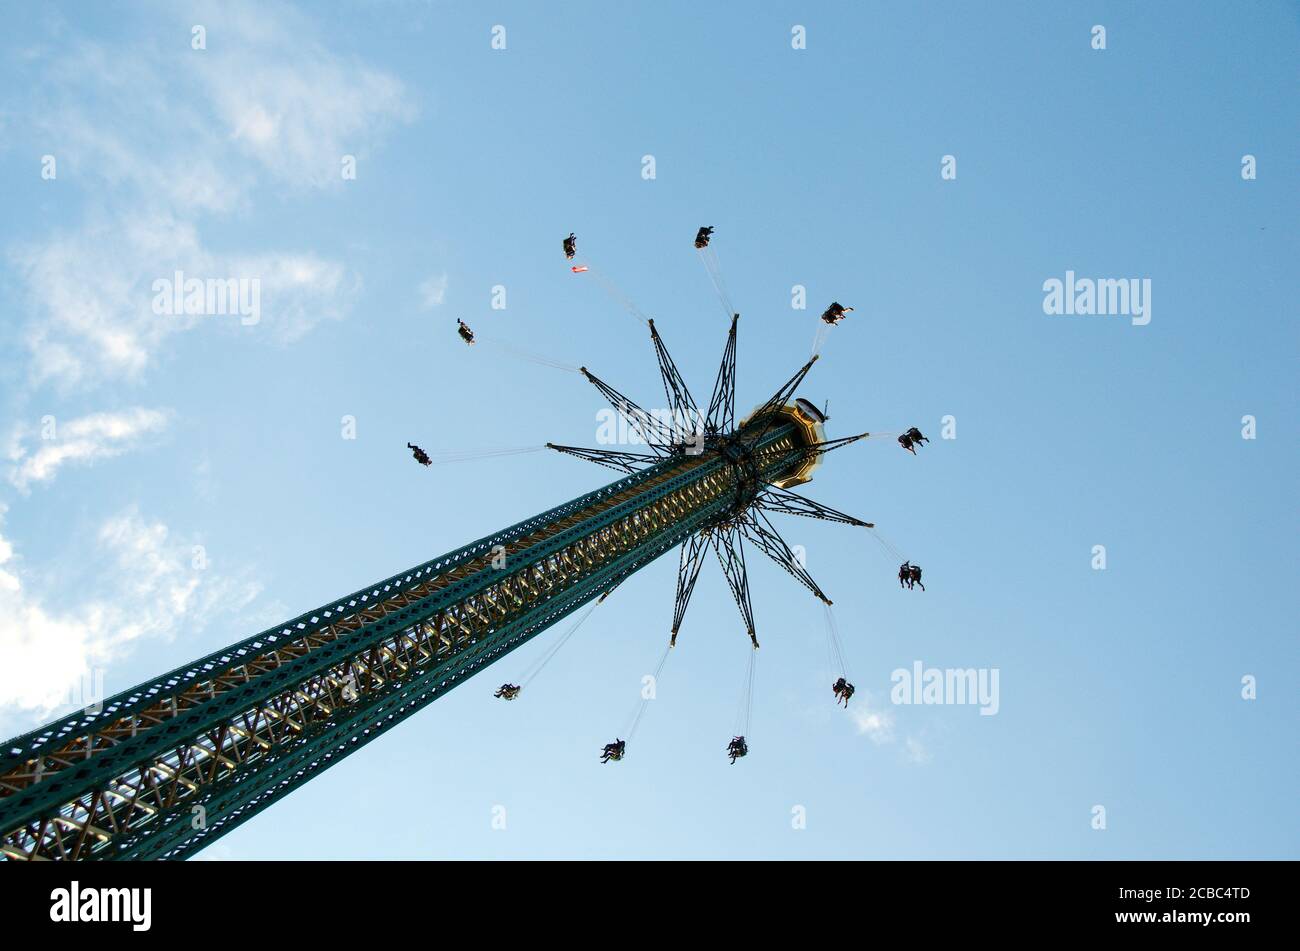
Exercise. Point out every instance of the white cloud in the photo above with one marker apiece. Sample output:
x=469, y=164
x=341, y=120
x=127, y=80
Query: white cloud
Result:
x=164, y=137
x=205, y=486
x=880, y=727
x=433, y=292
x=81, y=441
x=877, y=725
x=50, y=651
x=101, y=105
x=160, y=142
x=91, y=290
x=289, y=103
x=299, y=291
x=88, y=291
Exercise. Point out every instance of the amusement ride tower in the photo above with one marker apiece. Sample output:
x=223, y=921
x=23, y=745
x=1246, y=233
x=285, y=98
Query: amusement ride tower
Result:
x=161, y=770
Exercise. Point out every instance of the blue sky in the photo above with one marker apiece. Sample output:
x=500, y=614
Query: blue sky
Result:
x=819, y=167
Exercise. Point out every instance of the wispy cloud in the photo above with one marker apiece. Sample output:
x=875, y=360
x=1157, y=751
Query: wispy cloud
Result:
x=433, y=292
x=166, y=139
x=81, y=441
x=877, y=720
x=146, y=585
x=289, y=103
x=173, y=153
x=876, y=724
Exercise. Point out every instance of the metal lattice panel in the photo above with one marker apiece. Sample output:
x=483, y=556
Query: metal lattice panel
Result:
x=277, y=708
x=161, y=770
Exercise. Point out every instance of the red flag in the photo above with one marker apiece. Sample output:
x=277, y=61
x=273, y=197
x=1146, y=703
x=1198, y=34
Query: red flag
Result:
x=578, y=269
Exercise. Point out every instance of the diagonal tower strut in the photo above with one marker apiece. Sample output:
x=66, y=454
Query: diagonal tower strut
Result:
x=730, y=547
x=759, y=530
x=722, y=405
x=655, y=434
x=776, y=499
x=779, y=399
x=687, y=421
x=630, y=462
x=694, y=550
x=830, y=445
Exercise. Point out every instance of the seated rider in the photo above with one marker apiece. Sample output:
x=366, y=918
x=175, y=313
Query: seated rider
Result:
x=702, y=237
x=570, y=246
x=915, y=435
x=613, y=751
x=420, y=455
x=835, y=313
x=462, y=328
x=906, y=442
x=914, y=576
x=507, y=691
x=737, y=748
x=843, y=691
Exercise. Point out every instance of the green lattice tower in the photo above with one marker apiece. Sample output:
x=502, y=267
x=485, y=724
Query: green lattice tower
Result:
x=164, y=769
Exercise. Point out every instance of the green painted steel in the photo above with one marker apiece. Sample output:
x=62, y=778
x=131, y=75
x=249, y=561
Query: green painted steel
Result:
x=235, y=802
x=21, y=748
x=264, y=779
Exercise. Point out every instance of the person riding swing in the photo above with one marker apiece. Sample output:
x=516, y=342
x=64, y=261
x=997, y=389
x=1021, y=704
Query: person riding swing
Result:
x=835, y=313
x=843, y=691
x=613, y=751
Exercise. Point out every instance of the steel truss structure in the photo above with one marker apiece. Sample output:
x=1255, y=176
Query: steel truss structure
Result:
x=164, y=769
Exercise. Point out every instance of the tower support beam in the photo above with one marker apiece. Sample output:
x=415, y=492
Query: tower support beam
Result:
x=244, y=727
